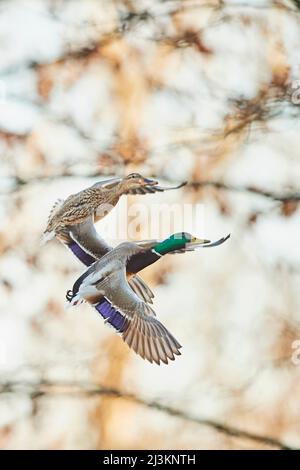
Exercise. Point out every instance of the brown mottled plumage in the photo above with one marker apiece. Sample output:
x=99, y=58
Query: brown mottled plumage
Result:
x=97, y=201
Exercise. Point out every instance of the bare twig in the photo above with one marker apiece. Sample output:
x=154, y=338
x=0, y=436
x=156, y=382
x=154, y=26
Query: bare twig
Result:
x=86, y=390
x=282, y=197
x=129, y=19
x=16, y=183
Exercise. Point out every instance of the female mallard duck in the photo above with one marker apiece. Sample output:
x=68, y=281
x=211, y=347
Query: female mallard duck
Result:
x=105, y=286
x=96, y=202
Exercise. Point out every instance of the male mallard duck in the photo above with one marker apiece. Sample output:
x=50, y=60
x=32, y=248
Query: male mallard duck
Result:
x=105, y=286
x=96, y=201
x=86, y=244
x=130, y=316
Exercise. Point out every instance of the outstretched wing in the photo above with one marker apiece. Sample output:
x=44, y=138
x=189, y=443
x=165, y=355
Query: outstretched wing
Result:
x=144, y=334
x=87, y=237
x=107, y=184
x=135, y=321
x=148, y=244
x=141, y=289
x=154, y=189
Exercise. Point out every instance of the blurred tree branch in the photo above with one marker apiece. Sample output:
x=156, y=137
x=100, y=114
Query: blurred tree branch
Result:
x=43, y=388
x=281, y=197
x=17, y=184
x=129, y=18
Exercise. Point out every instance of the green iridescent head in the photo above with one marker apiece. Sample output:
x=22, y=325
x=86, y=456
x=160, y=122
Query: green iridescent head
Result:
x=177, y=241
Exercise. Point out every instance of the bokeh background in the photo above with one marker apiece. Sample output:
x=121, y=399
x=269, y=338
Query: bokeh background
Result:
x=204, y=91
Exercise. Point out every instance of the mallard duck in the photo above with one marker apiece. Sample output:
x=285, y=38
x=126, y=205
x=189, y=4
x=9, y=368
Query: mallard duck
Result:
x=105, y=286
x=96, y=202
x=108, y=290
x=87, y=245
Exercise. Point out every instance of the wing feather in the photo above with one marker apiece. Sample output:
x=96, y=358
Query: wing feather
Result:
x=130, y=316
x=141, y=289
x=142, y=332
x=154, y=189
